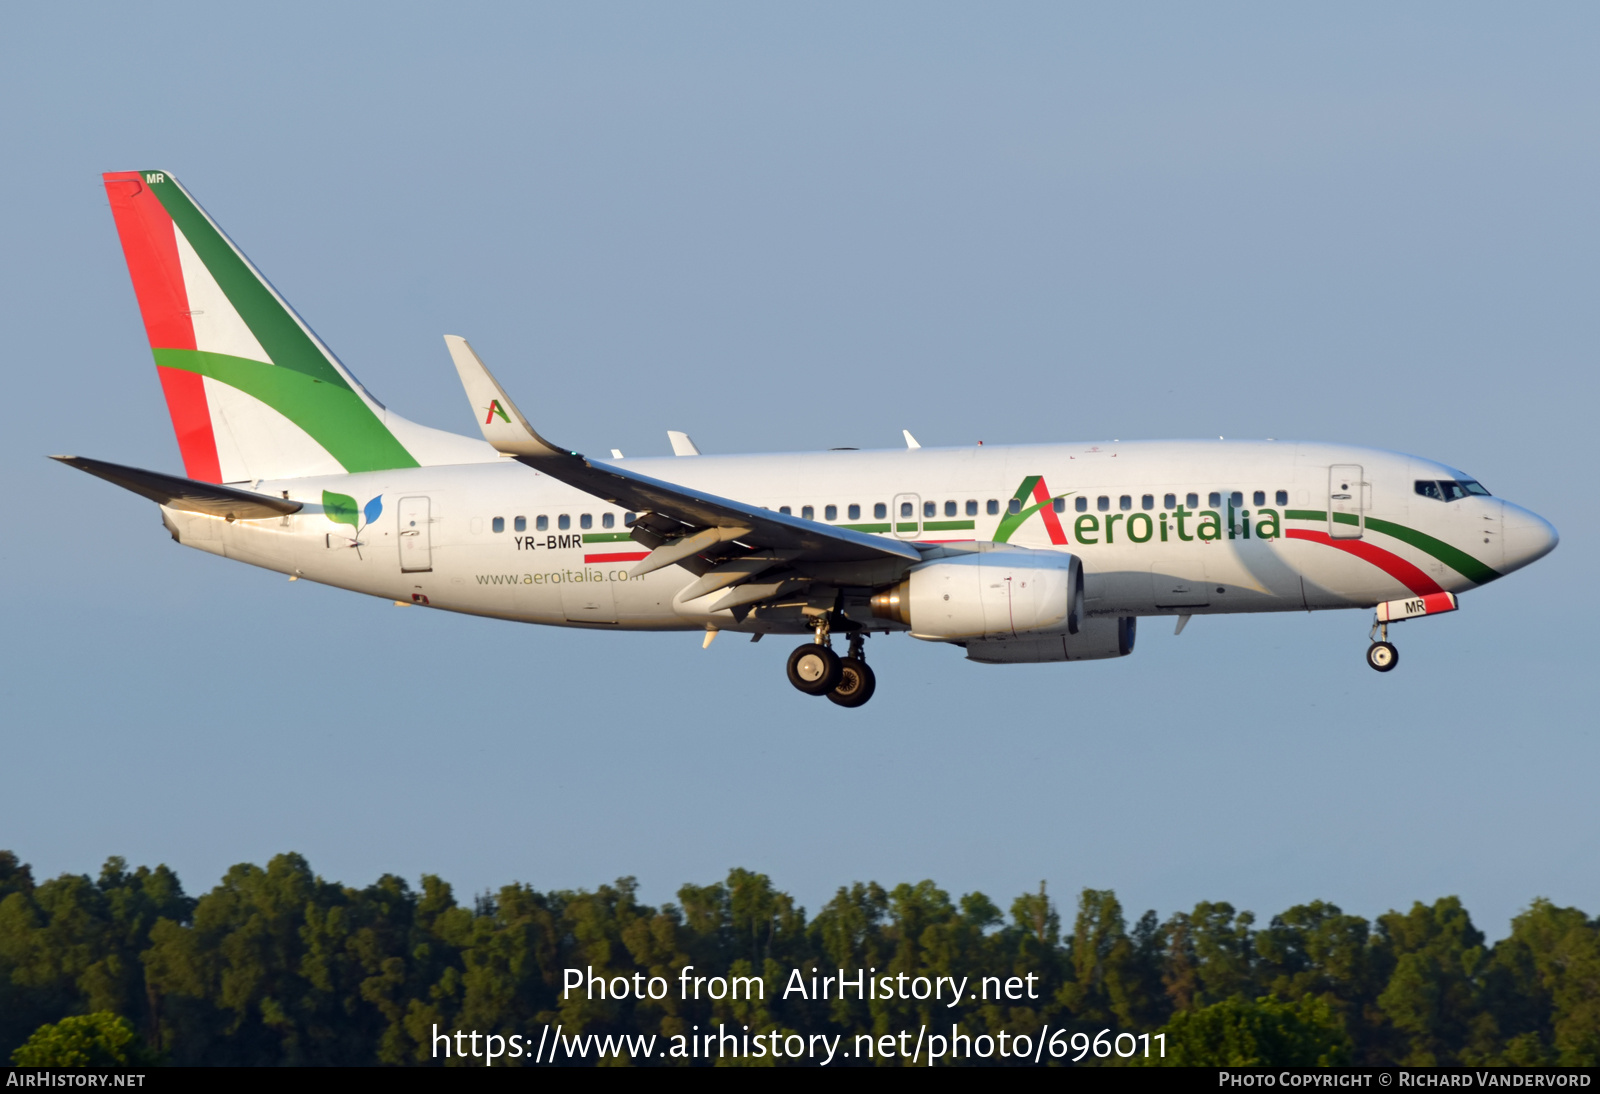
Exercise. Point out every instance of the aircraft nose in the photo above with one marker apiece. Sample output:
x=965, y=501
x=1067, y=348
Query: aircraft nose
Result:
x=1528, y=537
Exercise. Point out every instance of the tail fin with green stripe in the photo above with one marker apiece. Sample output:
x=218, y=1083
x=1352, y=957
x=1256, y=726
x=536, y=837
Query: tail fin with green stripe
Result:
x=253, y=392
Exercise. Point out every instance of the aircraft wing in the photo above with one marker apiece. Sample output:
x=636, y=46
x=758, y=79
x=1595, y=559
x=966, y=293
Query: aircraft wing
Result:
x=678, y=522
x=186, y=494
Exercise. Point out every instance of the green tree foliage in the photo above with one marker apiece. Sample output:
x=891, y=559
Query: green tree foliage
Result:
x=275, y=965
x=101, y=1039
x=1256, y=1033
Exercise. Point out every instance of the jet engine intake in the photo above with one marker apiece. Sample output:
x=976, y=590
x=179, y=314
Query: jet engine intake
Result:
x=1005, y=593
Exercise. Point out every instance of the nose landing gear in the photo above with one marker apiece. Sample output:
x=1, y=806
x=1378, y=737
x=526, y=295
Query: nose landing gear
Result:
x=815, y=669
x=1382, y=655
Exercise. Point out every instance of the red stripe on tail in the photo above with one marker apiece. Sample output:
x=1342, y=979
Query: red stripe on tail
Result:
x=1392, y=564
x=191, y=421
x=150, y=245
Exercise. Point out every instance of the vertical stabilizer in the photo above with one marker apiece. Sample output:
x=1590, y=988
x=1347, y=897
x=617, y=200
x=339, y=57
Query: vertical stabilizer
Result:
x=253, y=392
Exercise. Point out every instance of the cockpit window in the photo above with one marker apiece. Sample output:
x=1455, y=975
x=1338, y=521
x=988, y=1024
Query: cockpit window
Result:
x=1451, y=489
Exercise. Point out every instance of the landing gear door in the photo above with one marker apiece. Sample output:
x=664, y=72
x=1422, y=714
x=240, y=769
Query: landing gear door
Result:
x=416, y=536
x=903, y=515
x=1346, y=502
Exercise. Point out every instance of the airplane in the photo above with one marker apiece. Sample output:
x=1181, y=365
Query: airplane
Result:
x=1018, y=554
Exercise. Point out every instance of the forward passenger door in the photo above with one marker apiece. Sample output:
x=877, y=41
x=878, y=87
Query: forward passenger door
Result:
x=1346, y=502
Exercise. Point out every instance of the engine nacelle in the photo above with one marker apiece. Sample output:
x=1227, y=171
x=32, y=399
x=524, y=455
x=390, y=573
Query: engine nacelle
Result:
x=1096, y=639
x=1008, y=593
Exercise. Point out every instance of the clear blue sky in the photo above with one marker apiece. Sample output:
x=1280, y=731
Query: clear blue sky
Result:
x=784, y=228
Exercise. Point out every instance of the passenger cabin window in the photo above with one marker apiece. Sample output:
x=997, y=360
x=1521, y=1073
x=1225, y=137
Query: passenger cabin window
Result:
x=586, y=521
x=541, y=524
x=880, y=511
x=1014, y=506
x=628, y=519
x=498, y=524
x=1125, y=502
x=608, y=520
x=930, y=508
x=854, y=512
x=1236, y=498
x=993, y=507
x=1147, y=502
x=1260, y=497
x=1170, y=501
x=949, y=508
x=1059, y=505
x=1283, y=497
x=519, y=524
x=1192, y=501
x=1214, y=500
x=972, y=507
x=785, y=510
x=1081, y=505
x=563, y=522
x=830, y=512
x=1103, y=503
x=808, y=512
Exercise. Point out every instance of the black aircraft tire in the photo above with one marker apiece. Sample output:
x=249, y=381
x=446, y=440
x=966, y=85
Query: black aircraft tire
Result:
x=1382, y=656
x=857, y=682
x=814, y=669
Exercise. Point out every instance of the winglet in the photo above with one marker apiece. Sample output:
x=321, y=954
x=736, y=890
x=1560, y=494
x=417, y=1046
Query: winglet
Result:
x=502, y=423
x=681, y=444
x=911, y=442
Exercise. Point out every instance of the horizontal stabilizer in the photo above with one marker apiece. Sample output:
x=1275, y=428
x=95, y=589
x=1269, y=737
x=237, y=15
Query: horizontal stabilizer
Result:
x=186, y=494
x=502, y=423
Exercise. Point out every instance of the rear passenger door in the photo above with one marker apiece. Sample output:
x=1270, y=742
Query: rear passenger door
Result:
x=416, y=537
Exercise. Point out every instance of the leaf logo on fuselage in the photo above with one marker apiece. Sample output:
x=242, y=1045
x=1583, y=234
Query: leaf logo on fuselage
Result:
x=342, y=509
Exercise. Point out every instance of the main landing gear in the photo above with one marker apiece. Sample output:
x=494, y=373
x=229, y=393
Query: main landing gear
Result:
x=1382, y=655
x=816, y=670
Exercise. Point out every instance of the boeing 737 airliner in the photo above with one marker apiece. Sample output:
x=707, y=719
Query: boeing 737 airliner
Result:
x=1017, y=554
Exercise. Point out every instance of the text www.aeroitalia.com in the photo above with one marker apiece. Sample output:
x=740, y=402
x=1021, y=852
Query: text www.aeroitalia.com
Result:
x=923, y=1045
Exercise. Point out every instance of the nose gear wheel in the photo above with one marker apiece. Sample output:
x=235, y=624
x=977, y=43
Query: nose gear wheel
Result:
x=1383, y=656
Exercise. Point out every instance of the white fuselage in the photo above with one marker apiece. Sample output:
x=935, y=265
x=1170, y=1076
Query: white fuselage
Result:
x=1166, y=527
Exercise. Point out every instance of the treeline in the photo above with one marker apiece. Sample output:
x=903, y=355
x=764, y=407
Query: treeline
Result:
x=278, y=966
